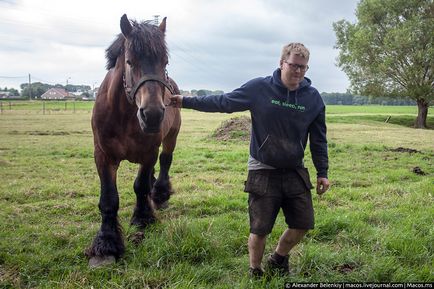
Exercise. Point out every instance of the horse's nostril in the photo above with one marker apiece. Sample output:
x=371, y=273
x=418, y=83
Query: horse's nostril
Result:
x=142, y=114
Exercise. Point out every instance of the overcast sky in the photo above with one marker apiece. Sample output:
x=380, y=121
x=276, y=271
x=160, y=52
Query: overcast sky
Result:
x=213, y=44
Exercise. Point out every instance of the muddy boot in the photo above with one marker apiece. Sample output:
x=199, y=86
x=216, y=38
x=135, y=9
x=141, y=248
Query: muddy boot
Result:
x=278, y=264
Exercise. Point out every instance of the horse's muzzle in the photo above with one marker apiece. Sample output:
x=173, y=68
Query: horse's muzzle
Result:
x=150, y=119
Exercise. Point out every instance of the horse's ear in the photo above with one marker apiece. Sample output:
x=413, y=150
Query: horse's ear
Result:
x=125, y=25
x=163, y=25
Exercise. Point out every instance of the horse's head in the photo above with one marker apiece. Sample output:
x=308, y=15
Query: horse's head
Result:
x=145, y=77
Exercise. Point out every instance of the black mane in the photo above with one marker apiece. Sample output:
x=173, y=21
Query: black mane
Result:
x=146, y=40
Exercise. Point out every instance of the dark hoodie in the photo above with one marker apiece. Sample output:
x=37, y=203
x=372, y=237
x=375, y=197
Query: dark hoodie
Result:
x=281, y=120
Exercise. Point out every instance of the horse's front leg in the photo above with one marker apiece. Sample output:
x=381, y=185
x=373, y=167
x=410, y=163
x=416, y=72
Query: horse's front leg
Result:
x=143, y=212
x=108, y=244
x=162, y=188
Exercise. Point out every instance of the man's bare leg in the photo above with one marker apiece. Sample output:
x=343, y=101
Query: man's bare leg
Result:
x=256, y=246
x=288, y=240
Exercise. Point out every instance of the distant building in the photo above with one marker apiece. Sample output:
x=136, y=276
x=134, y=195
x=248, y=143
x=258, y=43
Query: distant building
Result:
x=5, y=94
x=56, y=93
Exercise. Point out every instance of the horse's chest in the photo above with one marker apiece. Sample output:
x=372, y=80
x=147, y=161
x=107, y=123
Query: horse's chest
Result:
x=139, y=149
x=132, y=147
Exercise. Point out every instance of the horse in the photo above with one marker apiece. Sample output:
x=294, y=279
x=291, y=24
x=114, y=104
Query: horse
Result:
x=132, y=117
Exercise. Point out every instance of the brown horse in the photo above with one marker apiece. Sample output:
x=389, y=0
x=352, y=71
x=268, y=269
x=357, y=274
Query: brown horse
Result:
x=131, y=119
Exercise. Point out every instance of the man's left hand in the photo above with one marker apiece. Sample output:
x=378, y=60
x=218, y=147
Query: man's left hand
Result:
x=322, y=185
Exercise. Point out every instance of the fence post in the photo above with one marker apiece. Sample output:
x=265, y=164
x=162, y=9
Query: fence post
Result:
x=10, y=106
x=74, y=105
x=1, y=107
x=66, y=105
x=43, y=107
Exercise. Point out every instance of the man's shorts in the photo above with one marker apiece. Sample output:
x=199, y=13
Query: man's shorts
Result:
x=270, y=190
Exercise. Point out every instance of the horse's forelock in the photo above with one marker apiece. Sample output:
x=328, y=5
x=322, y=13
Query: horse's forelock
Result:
x=147, y=40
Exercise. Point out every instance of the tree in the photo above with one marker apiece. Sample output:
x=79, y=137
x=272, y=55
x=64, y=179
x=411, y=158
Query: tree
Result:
x=37, y=89
x=389, y=51
x=13, y=92
x=202, y=92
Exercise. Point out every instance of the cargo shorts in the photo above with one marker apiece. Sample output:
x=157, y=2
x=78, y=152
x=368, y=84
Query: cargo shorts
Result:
x=270, y=190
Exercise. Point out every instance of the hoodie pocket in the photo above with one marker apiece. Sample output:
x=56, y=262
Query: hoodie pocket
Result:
x=281, y=152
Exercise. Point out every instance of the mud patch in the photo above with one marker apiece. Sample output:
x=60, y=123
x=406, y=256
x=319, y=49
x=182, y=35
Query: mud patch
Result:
x=398, y=192
x=404, y=150
x=39, y=132
x=73, y=194
x=4, y=163
x=47, y=132
x=360, y=184
x=136, y=238
x=418, y=171
x=345, y=268
x=237, y=128
x=10, y=277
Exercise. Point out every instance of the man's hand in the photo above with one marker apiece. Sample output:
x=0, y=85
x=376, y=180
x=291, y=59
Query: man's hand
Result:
x=176, y=100
x=322, y=185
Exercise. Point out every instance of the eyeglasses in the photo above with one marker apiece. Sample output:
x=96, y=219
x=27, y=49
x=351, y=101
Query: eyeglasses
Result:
x=294, y=67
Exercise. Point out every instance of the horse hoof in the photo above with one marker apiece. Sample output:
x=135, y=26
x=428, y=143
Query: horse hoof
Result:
x=99, y=261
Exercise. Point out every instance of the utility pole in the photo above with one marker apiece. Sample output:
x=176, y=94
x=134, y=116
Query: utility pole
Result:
x=67, y=83
x=30, y=87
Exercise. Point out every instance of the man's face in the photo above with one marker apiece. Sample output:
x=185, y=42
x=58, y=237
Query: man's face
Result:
x=293, y=70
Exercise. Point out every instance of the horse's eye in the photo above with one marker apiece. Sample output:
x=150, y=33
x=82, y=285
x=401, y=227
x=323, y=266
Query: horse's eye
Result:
x=129, y=63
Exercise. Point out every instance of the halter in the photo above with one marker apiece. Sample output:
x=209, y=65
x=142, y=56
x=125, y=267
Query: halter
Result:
x=131, y=91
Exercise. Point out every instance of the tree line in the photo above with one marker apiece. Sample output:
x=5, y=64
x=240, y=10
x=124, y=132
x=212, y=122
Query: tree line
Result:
x=333, y=98
x=336, y=98
x=201, y=92
x=12, y=92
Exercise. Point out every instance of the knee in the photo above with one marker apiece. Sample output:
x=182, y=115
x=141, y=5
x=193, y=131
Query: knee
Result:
x=255, y=239
x=291, y=236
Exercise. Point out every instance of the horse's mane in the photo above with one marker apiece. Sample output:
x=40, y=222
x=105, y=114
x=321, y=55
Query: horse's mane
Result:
x=146, y=40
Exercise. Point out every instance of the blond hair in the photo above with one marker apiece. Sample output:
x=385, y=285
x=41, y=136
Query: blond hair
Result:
x=294, y=48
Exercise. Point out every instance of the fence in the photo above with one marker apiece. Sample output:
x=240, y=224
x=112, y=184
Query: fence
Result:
x=45, y=106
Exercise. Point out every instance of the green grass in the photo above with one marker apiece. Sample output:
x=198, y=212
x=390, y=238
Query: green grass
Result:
x=376, y=219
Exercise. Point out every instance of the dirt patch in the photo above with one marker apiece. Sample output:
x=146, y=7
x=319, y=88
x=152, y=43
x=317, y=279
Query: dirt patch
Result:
x=136, y=238
x=345, y=268
x=10, y=277
x=4, y=163
x=404, y=150
x=398, y=192
x=47, y=132
x=418, y=171
x=237, y=128
x=38, y=132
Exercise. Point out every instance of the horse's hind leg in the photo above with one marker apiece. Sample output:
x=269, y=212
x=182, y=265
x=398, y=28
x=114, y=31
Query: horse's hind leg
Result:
x=143, y=212
x=108, y=244
x=162, y=188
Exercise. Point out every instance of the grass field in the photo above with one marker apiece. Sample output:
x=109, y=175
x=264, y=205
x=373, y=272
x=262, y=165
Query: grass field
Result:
x=375, y=224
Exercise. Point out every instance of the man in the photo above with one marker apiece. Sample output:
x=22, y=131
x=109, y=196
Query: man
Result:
x=285, y=110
